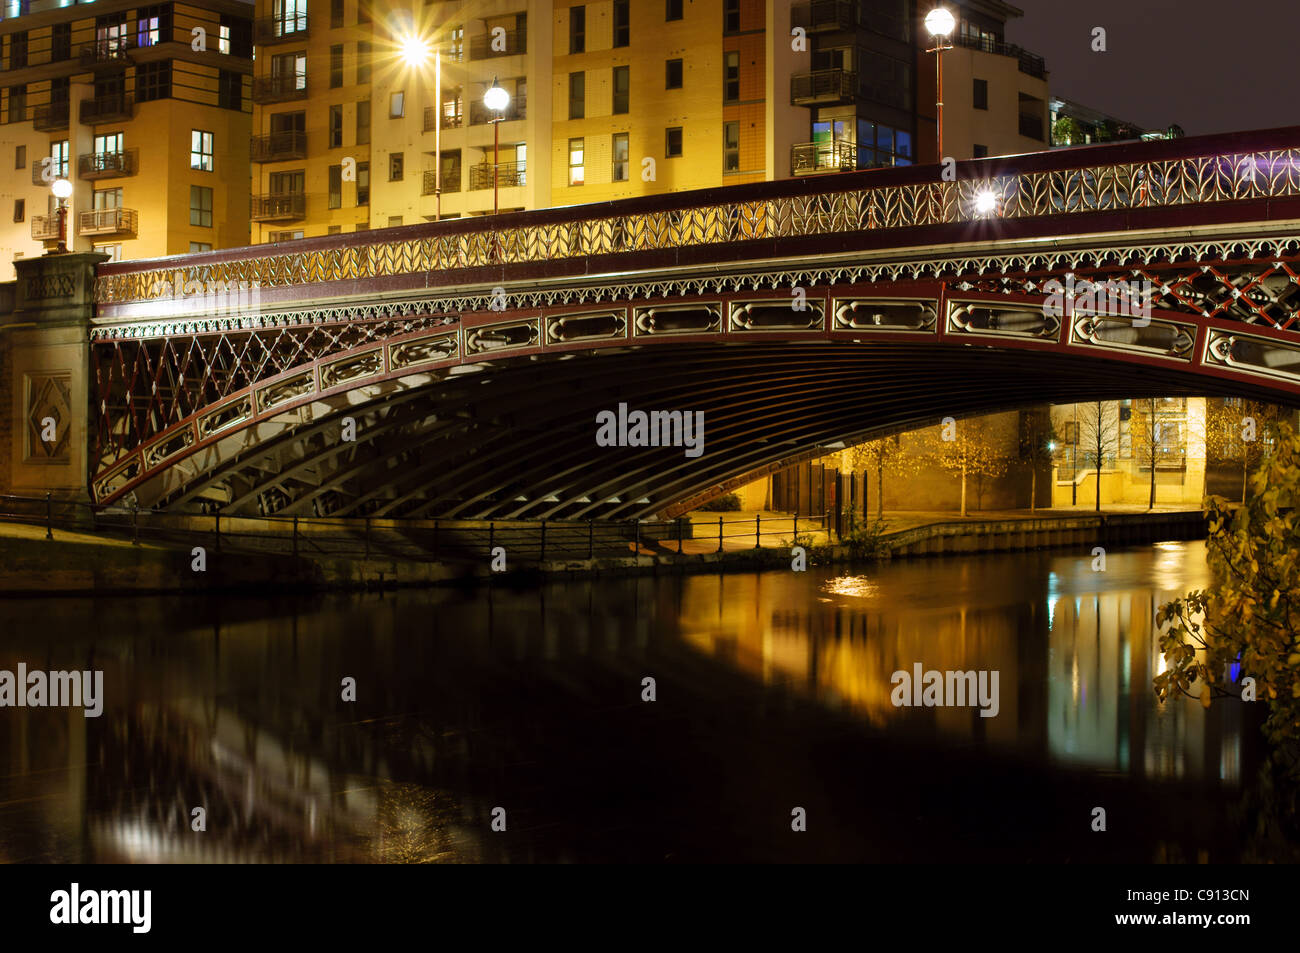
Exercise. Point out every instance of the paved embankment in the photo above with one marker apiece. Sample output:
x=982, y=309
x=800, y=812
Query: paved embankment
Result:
x=79, y=561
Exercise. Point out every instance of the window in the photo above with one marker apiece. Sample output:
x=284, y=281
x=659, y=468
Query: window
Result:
x=336, y=186
x=334, y=230
x=363, y=11
x=336, y=66
x=731, y=78
x=363, y=61
x=394, y=221
x=336, y=127
x=285, y=236
x=673, y=10
x=154, y=81
x=622, y=23
x=731, y=15
x=363, y=122
x=731, y=147
x=235, y=35
x=577, y=29
x=223, y=45
x=105, y=199
x=289, y=122
x=153, y=24
x=18, y=50
x=980, y=152
x=230, y=90
x=289, y=16
x=201, y=153
x=622, y=88
x=17, y=103
x=396, y=166
x=200, y=246
x=114, y=252
x=109, y=143
x=201, y=206
x=59, y=156
x=287, y=183
x=336, y=14
x=673, y=74
x=673, y=143
x=20, y=157
x=397, y=105
x=577, y=95
x=577, y=169
x=620, y=153
x=61, y=43
x=20, y=209
x=290, y=69
x=362, y=227
x=363, y=183
x=981, y=94
x=456, y=44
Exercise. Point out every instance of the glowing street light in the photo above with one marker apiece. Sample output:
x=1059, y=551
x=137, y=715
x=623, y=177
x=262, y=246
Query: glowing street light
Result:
x=414, y=50
x=62, y=190
x=986, y=202
x=496, y=99
x=939, y=23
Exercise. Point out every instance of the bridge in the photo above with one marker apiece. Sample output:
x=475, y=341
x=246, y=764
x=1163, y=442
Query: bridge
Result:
x=456, y=369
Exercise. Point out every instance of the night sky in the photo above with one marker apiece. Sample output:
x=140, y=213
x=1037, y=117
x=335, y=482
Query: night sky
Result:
x=1207, y=65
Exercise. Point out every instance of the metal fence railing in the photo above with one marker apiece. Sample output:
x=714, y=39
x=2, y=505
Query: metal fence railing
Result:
x=525, y=542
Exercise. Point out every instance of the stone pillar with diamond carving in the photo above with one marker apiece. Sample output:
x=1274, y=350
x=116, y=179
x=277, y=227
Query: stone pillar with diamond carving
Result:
x=45, y=385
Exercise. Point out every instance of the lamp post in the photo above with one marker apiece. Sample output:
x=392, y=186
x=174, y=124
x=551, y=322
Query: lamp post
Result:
x=939, y=23
x=496, y=99
x=62, y=189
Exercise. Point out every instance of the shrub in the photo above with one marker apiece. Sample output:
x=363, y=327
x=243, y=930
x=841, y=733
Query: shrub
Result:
x=727, y=503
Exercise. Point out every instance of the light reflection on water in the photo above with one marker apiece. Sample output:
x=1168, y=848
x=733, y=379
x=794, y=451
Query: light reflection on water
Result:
x=532, y=698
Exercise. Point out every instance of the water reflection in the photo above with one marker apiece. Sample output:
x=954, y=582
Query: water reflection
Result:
x=532, y=700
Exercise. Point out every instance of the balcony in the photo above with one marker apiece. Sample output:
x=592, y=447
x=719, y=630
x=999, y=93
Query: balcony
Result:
x=106, y=109
x=50, y=117
x=1030, y=64
x=453, y=122
x=510, y=174
x=279, y=146
x=108, y=221
x=279, y=29
x=813, y=158
x=279, y=89
x=109, y=51
x=824, y=16
x=278, y=207
x=480, y=47
x=480, y=114
x=57, y=170
x=450, y=180
x=823, y=86
x=1032, y=127
x=106, y=165
x=45, y=228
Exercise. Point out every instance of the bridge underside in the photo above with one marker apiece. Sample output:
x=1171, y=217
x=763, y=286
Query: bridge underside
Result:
x=517, y=438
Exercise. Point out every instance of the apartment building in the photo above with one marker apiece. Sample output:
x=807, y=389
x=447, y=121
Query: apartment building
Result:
x=995, y=94
x=144, y=109
x=356, y=125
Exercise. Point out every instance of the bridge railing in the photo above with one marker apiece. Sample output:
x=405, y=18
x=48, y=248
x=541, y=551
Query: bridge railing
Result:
x=525, y=542
x=1113, y=178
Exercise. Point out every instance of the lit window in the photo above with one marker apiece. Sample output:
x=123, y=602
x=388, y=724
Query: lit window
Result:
x=201, y=150
x=396, y=167
x=577, y=169
x=620, y=157
x=223, y=39
x=397, y=105
x=200, y=246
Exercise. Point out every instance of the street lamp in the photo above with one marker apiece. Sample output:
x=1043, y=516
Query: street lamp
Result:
x=496, y=99
x=62, y=190
x=939, y=23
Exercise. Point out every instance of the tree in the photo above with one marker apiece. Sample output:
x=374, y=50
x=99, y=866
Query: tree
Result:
x=1155, y=438
x=972, y=451
x=1241, y=433
x=1097, y=423
x=1066, y=132
x=1251, y=618
x=884, y=455
x=1037, y=445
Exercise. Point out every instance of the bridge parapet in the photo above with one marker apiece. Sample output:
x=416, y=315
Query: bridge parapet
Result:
x=1067, y=187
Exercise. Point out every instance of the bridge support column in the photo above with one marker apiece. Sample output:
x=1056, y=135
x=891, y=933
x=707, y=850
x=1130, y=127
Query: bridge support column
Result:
x=46, y=418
